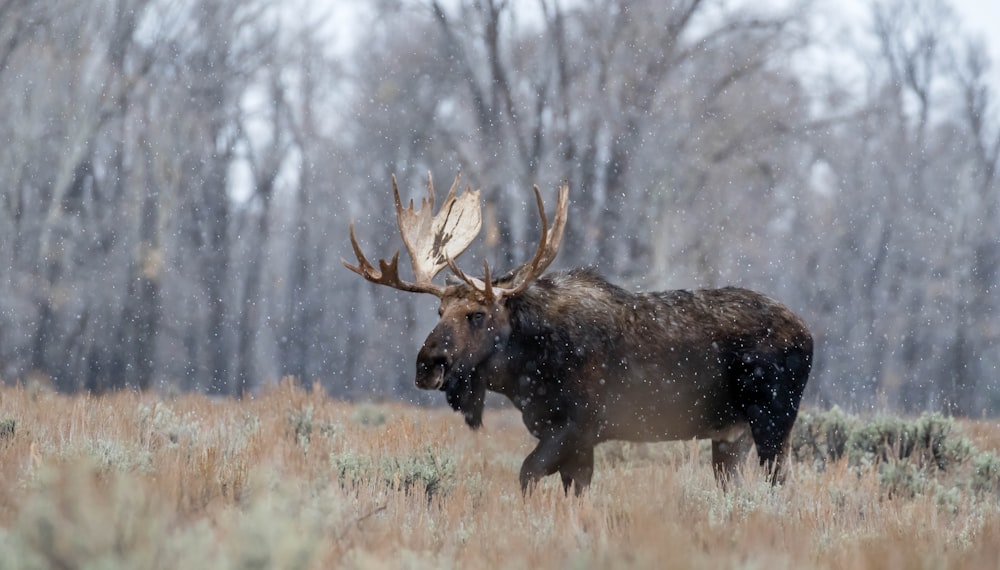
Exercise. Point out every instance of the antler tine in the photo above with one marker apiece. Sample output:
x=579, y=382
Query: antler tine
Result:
x=548, y=245
x=363, y=268
x=396, y=198
x=558, y=226
x=388, y=271
x=488, y=290
x=454, y=186
x=484, y=286
x=430, y=191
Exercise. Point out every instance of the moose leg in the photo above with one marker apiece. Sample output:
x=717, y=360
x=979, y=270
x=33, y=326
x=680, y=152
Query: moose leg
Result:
x=557, y=449
x=728, y=455
x=774, y=404
x=771, y=434
x=578, y=469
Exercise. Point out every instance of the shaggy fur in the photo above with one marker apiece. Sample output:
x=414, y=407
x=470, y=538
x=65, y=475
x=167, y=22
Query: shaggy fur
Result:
x=586, y=361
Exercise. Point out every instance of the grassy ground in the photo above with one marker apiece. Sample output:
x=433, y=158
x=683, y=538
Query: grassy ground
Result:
x=292, y=479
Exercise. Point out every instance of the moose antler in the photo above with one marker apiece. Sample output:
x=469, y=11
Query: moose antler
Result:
x=548, y=245
x=548, y=248
x=432, y=241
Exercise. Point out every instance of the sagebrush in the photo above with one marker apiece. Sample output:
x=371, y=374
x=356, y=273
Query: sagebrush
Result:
x=292, y=479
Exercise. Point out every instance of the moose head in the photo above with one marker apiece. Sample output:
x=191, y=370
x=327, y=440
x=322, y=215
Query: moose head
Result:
x=475, y=321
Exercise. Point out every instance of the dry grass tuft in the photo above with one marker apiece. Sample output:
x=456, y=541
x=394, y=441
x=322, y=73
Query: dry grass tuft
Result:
x=291, y=479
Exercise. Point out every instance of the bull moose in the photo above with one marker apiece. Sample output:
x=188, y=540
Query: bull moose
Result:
x=586, y=361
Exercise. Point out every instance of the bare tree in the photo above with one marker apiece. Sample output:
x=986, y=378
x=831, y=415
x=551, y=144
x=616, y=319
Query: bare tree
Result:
x=173, y=213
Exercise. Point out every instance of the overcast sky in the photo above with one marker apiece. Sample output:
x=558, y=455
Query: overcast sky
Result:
x=983, y=17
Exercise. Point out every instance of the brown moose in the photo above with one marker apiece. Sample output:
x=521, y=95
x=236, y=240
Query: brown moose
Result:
x=586, y=361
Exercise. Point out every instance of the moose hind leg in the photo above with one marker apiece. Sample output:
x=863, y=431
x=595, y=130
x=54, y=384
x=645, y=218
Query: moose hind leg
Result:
x=728, y=455
x=771, y=435
x=773, y=405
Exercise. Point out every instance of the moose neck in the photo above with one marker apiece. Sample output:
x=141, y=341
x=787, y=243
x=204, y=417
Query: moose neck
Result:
x=546, y=343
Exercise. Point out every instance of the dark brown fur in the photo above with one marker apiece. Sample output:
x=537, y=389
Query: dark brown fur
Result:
x=586, y=361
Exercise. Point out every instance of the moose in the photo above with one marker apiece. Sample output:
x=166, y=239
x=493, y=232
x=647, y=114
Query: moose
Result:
x=586, y=361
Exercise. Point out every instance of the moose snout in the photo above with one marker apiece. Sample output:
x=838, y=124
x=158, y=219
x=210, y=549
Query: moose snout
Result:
x=430, y=370
x=430, y=373
x=434, y=359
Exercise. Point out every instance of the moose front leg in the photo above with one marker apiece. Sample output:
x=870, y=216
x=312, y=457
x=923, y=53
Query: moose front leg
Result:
x=561, y=449
x=578, y=468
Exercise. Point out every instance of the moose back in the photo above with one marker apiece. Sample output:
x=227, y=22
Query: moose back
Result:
x=586, y=361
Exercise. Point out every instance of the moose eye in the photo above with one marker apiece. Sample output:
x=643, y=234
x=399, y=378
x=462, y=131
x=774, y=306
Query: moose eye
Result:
x=476, y=318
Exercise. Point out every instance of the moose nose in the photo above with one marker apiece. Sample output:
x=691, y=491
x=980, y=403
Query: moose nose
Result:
x=434, y=359
x=432, y=362
x=430, y=372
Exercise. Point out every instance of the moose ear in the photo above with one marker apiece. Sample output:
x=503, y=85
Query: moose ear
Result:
x=468, y=398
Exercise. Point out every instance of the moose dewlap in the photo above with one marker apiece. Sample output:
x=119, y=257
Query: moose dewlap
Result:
x=586, y=361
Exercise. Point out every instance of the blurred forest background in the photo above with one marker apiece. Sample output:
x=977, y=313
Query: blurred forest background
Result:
x=177, y=178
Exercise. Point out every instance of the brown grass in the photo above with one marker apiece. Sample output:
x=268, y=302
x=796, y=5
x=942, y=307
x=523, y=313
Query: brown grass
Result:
x=292, y=479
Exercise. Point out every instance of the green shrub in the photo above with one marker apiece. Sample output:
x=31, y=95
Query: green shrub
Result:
x=902, y=478
x=301, y=422
x=352, y=469
x=8, y=426
x=821, y=437
x=986, y=472
x=161, y=419
x=424, y=470
x=930, y=439
x=304, y=424
x=78, y=517
x=912, y=456
x=113, y=455
x=369, y=414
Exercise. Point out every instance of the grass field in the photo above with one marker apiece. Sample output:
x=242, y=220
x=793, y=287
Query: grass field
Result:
x=292, y=479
